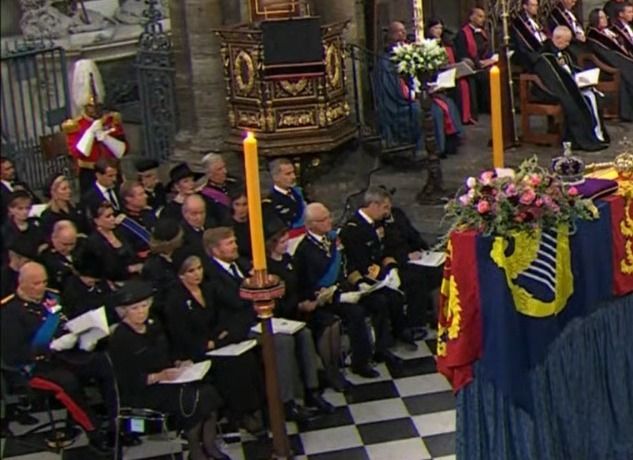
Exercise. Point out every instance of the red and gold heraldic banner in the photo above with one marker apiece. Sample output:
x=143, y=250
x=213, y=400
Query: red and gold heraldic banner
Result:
x=622, y=231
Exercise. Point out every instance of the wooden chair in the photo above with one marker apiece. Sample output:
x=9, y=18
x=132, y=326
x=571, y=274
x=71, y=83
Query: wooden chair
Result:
x=530, y=107
x=609, y=83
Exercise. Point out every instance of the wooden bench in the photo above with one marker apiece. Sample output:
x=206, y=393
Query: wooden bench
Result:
x=609, y=83
x=530, y=107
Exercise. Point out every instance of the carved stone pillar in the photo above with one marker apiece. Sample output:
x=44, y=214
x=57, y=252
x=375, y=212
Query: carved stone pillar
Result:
x=199, y=77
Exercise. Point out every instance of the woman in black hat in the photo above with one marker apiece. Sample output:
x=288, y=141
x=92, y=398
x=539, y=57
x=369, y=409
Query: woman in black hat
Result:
x=86, y=289
x=116, y=254
x=182, y=182
x=147, y=170
x=196, y=327
x=143, y=365
x=159, y=268
x=60, y=205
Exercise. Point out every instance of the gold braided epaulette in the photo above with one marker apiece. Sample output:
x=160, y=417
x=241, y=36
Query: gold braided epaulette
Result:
x=71, y=125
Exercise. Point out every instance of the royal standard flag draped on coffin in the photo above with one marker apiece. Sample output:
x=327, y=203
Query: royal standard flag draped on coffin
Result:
x=505, y=299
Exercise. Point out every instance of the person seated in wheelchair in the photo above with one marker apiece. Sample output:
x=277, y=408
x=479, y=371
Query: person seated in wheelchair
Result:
x=36, y=344
x=399, y=112
x=145, y=372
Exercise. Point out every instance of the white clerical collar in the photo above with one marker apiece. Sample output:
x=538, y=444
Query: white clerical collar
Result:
x=368, y=219
x=8, y=185
x=281, y=190
x=475, y=28
x=227, y=266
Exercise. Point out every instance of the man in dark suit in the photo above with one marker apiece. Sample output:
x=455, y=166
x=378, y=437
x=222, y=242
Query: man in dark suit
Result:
x=320, y=268
x=293, y=351
x=104, y=187
x=368, y=263
x=621, y=25
x=194, y=217
x=8, y=184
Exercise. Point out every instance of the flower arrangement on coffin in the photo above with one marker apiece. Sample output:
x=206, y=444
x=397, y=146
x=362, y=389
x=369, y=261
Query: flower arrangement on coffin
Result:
x=416, y=60
x=532, y=198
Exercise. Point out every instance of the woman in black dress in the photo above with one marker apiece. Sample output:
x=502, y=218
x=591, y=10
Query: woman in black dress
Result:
x=195, y=328
x=239, y=222
x=60, y=206
x=159, y=268
x=117, y=256
x=142, y=362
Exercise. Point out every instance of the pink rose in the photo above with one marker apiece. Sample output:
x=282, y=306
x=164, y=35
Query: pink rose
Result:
x=572, y=191
x=511, y=190
x=487, y=177
x=483, y=207
x=539, y=202
x=534, y=180
x=464, y=200
x=528, y=196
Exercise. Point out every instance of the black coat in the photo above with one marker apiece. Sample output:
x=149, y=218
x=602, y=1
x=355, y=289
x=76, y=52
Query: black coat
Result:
x=77, y=298
x=191, y=325
x=75, y=214
x=286, y=307
x=287, y=208
x=58, y=267
x=526, y=46
x=115, y=261
x=311, y=261
x=401, y=237
x=562, y=88
x=157, y=198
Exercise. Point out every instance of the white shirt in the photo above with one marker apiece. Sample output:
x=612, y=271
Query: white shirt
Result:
x=368, y=219
x=628, y=29
x=227, y=266
x=282, y=191
x=538, y=34
x=319, y=238
x=8, y=185
x=105, y=192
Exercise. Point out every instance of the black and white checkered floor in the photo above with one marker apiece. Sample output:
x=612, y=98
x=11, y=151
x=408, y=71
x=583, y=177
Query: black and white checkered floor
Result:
x=406, y=414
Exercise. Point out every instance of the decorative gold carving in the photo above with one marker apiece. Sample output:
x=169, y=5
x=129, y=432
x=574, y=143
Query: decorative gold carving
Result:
x=249, y=119
x=244, y=73
x=337, y=111
x=231, y=116
x=333, y=65
x=294, y=88
x=296, y=119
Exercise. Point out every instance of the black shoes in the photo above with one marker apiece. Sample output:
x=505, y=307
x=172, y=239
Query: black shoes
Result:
x=408, y=340
x=315, y=400
x=366, y=371
x=297, y=413
x=336, y=381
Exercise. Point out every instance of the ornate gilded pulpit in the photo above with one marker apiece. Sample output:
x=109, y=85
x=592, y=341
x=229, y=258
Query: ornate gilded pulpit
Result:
x=295, y=107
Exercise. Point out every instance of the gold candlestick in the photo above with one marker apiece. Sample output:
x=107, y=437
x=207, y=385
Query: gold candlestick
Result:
x=418, y=20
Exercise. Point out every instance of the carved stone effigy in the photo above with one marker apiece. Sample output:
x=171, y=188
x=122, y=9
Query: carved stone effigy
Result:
x=41, y=18
x=132, y=11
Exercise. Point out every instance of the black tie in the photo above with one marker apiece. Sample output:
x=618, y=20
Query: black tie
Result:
x=112, y=199
x=235, y=272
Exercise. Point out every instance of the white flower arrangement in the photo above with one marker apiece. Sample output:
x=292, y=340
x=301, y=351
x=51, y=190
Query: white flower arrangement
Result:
x=412, y=59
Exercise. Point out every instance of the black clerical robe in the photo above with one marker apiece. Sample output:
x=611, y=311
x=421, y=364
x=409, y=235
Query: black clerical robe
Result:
x=606, y=46
x=528, y=38
x=579, y=121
